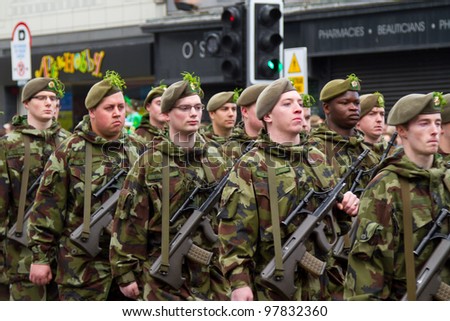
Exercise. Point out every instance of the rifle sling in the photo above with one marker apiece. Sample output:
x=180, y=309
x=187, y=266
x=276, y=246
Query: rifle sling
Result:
x=275, y=216
x=87, y=191
x=165, y=215
x=408, y=240
x=24, y=184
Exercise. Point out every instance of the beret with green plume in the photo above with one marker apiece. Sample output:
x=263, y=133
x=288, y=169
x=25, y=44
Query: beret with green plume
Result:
x=189, y=86
x=369, y=101
x=250, y=94
x=111, y=84
x=36, y=85
x=446, y=110
x=337, y=87
x=220, y=99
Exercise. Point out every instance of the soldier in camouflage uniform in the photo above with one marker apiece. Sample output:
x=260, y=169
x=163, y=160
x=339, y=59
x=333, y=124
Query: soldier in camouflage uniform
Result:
x=139, y=228
x=444, y=141
x=34, y=138
x=222, y=111
x=342, y=143
x=246, y=228
x=99, y=143
x=247, y=130
x=377, y=264
x=153, y=122
x=371, y=121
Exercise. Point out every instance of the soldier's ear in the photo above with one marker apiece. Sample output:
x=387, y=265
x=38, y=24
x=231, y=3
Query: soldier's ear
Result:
x=268, y=118
x=326, y=108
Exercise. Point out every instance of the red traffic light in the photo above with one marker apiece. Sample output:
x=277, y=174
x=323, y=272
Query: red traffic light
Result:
x=232, y=16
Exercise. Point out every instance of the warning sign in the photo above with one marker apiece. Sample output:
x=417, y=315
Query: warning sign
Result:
x=296, y=68
x=21, y=53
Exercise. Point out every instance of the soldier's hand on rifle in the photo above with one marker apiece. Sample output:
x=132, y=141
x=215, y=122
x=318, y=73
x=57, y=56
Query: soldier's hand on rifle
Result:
x=40, y=274
x=349, y=204
x=242, y=294
x=130, y=290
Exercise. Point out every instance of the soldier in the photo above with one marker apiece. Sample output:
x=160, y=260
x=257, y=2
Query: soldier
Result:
x=308, y=102
x=249, y=224
x=342, y=143
x=247, y=130
x=444, y=142
x=98, y=149
x=222, y=111
x=142, y=229
x=24, y=153
x=371, y=121
x=153, y=122
x=414, y=183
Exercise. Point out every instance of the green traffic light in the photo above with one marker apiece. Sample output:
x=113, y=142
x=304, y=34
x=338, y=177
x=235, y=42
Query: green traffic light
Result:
x=275, y=65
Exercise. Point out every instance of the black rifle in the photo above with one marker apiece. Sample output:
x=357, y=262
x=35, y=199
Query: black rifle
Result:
x=341, y=250
x=22, y=236
x=181, y=245
x=294, y=249
x=428, y=284
x=100, y=220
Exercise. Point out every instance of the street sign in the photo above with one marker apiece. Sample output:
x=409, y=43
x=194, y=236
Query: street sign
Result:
x=296, y=68
x=21, y=53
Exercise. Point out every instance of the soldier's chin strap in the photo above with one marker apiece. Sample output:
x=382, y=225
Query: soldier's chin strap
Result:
x=408, y=239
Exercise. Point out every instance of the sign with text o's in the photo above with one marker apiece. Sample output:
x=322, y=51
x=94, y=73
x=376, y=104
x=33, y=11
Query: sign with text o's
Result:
x=21, y=53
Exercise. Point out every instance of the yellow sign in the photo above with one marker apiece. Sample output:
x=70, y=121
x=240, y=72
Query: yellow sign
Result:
x=299, y=83
x=294, y=66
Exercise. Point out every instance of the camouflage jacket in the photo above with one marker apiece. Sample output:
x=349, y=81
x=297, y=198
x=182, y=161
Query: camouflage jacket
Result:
x=207, y=132
x=42, y=144
x=136, y=241
x=245, y=229
x=147, y=131
x=341, y=152
x=238, y=143
x=59, y=204
x=376, y=265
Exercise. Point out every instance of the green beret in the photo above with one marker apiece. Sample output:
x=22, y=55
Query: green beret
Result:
x=154, y=93
x=250, y=94
x=36, y=85
x=369, y=101
x=270, y=96
x=446, y=109
x=111, y=84
x=409, y=106
x=189, y=86
x=337, y=87
x=220, y=99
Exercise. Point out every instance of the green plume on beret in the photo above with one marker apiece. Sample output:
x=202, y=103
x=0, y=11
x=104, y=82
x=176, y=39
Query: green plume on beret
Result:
x=194, y=82
x=354, y=81
x=115, y=80
x=439, y=100
x=308, y=100
x=57, y=86
x=236, y=94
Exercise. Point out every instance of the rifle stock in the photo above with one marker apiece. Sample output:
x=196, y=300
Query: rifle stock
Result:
x=294, y=250
x=428, y=283
x=22, y=236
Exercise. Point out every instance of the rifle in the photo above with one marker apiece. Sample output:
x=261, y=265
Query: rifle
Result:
x=182, y=245
x=428, y=283
x=340, y=250
x=22, y=236
x=294, y=249
x=101, y=219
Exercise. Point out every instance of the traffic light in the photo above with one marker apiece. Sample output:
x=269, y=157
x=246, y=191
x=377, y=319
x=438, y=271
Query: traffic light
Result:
x=233, y=42
x=265, y=31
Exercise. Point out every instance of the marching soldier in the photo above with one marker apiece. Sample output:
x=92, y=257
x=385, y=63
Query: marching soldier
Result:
x=96, y=152
x=400, y=205
x=24, y=154
x=148, y=215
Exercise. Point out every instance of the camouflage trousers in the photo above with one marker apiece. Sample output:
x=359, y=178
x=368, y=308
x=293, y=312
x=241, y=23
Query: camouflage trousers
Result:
x=107, y=291
x=27, y=291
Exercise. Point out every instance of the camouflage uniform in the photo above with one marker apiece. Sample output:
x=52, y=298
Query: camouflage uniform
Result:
x=148, y=131
x=376, y=265
x=18, y=257
x=208, y=133
x=59, y=205
x=245, y=229
x=341, y=152
x=136, y=241
x=237, y=143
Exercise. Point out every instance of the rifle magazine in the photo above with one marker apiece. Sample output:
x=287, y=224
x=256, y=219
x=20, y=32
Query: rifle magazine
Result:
x=199, y=255
x=443, y=293
x=312, y=264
